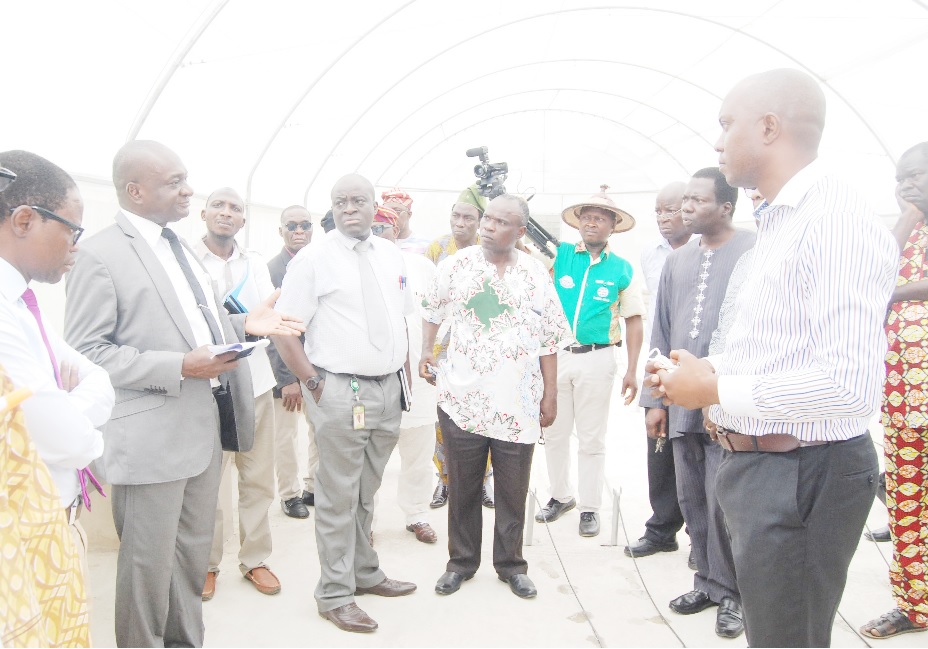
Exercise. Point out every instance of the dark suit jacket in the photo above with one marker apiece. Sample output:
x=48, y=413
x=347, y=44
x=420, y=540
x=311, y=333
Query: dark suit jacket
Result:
x=278, y=268
x=123, y=313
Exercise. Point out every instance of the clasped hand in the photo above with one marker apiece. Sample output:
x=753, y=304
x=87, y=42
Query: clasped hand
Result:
x=693, y=384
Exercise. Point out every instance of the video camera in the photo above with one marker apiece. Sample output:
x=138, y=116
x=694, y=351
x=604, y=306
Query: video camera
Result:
x=490, y=176
x=490, y=179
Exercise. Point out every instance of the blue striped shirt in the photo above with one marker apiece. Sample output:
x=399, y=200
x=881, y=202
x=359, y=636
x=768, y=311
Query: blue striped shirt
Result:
x=805, y=353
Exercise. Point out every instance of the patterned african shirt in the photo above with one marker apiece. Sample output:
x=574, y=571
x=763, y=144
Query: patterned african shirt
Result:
x=490, y=383
x=442, y=248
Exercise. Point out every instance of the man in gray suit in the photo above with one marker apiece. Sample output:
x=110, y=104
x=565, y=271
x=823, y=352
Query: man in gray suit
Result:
x=137, y=307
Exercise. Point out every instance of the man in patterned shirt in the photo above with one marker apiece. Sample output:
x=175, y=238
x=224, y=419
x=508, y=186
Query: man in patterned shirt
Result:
x=496, y=389
x=905, y=406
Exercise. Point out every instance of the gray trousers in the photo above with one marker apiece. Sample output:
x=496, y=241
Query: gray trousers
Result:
x=795, y=521
x=696, y=461
x=351, y=465
x=165, y=532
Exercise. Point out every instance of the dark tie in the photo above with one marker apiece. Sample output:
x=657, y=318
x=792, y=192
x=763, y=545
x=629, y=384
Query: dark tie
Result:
x=378, y=325
x=195, y=286
x=84, y=474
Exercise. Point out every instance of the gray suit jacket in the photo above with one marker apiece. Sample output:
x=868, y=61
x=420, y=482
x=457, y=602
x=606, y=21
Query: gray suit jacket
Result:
x=123, y=313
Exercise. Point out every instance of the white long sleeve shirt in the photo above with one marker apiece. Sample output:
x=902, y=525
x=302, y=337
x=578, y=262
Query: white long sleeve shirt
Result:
x=805, y=353
x=62, y=424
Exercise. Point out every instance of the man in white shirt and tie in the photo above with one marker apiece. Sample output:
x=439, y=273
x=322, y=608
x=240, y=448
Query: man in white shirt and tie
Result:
x=350, y=289
x=40, y=222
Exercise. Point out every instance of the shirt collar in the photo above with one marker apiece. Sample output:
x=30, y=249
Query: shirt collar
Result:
x=203, y=250
x=581, y=247
x=799, y=185
x=12, y=283
x=150, y=231
x=349, y=242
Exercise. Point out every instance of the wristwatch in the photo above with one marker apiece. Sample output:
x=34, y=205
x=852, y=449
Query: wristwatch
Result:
x=313, y=382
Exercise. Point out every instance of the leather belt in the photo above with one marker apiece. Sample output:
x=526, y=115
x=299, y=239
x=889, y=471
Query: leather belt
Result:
x=776, y=443
x=583, y=349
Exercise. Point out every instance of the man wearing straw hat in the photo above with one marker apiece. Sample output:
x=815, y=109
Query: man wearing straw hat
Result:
x=595, y=288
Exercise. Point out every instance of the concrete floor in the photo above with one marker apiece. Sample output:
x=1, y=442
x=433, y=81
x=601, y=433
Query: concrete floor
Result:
x=589, y=593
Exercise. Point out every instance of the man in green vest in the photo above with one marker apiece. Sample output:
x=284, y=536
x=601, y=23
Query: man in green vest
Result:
x=596, y=290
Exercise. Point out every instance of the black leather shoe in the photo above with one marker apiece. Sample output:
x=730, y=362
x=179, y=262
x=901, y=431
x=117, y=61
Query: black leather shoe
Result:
x=294, y=508
x=878, y=536
x=729, y=623
x=691, y=602
x=450, y=582
x=646, y=547
x=691, y=561
x=309, y=498
x=440, y=497
x=488, y=498
x=521, y=585
x=553, y=510
x=589, y=523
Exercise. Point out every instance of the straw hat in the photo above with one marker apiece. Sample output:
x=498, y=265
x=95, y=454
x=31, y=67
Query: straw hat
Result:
x=623, y=220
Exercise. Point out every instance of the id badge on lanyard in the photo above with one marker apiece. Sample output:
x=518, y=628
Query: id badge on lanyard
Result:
x=357, y=411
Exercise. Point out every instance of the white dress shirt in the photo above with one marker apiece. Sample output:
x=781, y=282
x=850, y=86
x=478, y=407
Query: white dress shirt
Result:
x=424, y=395
x=61, y=424
x=151, y=234
x=323, y=288
x=246, y=275
x=805, y=353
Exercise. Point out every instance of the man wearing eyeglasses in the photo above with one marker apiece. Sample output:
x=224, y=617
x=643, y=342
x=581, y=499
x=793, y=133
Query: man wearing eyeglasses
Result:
x=595, y=286
x=296, y=229
x=666, y=518
x=40, y=215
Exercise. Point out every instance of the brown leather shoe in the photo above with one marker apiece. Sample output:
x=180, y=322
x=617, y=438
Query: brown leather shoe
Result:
x=423, y=532
x=209, y=588
x=350, y=618
x=387, y=588
x=264, y=580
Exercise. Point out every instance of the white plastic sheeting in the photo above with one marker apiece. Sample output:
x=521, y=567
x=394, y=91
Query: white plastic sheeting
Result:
x=279, y=98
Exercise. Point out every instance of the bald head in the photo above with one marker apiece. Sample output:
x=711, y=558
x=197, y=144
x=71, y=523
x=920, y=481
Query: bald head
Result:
x=772, y=124
x=151, y=181
x=794, y=97
x=671, y=192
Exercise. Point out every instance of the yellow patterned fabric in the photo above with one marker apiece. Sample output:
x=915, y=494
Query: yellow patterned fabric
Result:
x=43, y=602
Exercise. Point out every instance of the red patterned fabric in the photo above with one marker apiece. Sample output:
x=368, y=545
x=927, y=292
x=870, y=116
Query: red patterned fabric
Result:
x=397, y=195
x=905, y=421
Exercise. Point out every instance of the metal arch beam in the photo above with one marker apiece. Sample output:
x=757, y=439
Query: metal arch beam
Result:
x=526, y=92
x=525, y=65
x=305, y=93
x=534, y=110
x=555, y=12
x=177, y=58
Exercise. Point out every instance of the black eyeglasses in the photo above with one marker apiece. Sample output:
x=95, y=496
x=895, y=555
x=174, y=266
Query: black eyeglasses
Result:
x=6, y=178
x=76, y=230
x=378, y=228
x=305, y=226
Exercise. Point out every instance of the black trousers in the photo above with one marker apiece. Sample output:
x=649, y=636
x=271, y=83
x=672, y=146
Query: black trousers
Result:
x=466, y=457
x=667, y=518
x=795, y=521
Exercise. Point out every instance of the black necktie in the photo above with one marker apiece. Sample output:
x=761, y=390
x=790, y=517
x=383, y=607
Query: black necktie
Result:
x=195, y=286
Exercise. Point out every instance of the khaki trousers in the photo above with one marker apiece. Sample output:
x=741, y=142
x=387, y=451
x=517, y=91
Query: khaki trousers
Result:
x=255, y=493
x=584, y=390
x=286, y=452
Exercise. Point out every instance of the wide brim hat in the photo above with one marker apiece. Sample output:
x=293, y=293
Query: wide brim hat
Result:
x=623, y=220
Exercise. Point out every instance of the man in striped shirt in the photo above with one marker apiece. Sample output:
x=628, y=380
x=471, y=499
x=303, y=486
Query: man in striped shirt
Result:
x=802, y=370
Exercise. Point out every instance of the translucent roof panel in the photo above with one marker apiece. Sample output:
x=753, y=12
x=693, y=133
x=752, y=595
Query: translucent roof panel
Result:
x=280, y=98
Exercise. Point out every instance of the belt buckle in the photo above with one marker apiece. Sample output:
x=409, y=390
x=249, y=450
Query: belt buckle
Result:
x=721, y=435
